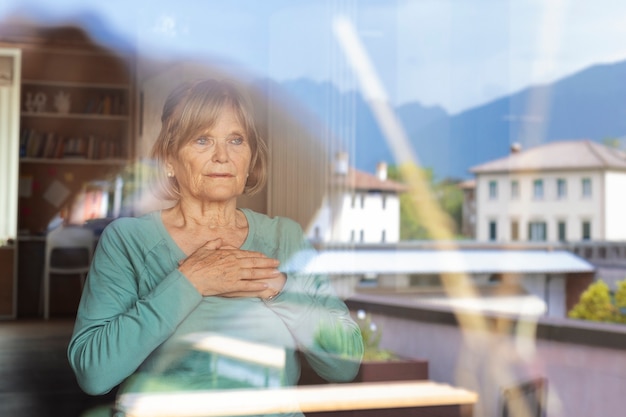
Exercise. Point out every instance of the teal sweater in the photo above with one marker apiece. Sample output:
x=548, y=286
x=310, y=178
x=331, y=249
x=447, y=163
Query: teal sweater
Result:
x=138, y=313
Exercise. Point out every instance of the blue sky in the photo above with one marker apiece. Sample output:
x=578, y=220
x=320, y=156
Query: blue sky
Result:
x=451, y=53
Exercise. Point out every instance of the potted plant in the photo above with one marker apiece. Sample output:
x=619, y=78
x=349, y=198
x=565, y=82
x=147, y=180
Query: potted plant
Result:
x=382, y=364
x=378, y=364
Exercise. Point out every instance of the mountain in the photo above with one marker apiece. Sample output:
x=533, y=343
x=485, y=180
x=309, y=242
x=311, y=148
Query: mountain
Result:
x=348, y=115
x=589, y=104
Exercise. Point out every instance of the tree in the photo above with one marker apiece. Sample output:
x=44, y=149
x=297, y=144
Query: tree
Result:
x=449, y=199
x=612, y=142
x=597, y=303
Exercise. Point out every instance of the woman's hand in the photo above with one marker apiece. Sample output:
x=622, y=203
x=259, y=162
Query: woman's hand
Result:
x=274, y=287
x=231, y=272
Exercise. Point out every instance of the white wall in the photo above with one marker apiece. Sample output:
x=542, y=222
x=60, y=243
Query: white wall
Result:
x=550, y=289
x=339, y=220
x=615, y=206
x=573, y=209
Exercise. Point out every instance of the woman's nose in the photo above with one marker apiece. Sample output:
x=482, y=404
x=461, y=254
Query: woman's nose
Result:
x=220, y=152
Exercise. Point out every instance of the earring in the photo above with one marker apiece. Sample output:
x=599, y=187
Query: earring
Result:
x=170, y=174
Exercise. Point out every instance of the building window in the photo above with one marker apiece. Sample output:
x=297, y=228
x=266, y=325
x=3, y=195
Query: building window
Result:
x=561, y=188
x=514, y=230
x=537, y=231
x=384, y=198
x=362, y=200
x=538, y=189
x=562, y=231
x=586, y=235
x=493, y=190
x=493, y=230
x=586, y=187
x=515, y=189
x=353, y=201
x=383, y=238
x=351, y=235
x=362, y=236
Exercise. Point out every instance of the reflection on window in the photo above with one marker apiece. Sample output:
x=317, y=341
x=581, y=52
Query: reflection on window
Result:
x=562, y=231
x=493, y=230
x=561, y=188
x=514, y=230
x=586, y=232
x=537, y=231
x=538, y=189
x=493, y=190
x=586, y=187
x=515, y=189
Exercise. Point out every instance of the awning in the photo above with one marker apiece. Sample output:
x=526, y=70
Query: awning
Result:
x=472, y=261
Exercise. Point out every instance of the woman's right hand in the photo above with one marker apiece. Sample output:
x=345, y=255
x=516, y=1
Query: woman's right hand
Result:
x=215, y=270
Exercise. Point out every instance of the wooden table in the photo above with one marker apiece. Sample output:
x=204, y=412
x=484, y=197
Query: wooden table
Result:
x=406, y=398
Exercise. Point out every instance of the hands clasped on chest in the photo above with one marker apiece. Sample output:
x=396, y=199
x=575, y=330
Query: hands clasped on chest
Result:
x=216, y=270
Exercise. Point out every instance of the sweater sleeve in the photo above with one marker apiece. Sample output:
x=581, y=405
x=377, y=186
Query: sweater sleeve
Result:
x=116, y=329
x=318, y=319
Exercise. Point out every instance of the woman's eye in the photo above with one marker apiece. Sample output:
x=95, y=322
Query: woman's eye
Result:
x=236, y=140
x=202, y=140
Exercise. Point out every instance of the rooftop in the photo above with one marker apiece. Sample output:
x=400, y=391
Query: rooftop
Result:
x=563, y=155
x=359, y=180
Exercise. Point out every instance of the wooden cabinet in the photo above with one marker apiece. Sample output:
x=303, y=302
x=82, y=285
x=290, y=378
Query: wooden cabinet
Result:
x=8, y=290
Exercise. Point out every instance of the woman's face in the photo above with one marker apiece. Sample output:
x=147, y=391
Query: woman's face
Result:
x=214, y=166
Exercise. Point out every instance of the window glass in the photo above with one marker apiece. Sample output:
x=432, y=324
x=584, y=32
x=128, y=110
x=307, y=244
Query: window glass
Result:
x=514, y=230
x=537, y=231
x=562, y=231
x=515, y=189
x=586, y=187
x=586, y=230
x=561, y=188
x=493, y=190
x=538, y=189
x=493, y=230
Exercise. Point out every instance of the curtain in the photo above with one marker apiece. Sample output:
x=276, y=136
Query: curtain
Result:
x=9, y=141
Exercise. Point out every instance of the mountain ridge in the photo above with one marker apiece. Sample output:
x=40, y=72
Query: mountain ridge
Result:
x=588, y=104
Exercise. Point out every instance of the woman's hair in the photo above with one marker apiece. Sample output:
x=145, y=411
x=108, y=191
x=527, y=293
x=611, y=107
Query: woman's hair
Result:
x=189, y=111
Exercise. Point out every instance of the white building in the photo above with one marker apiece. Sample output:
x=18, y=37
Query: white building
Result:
x=359, y=207
x=560, y=191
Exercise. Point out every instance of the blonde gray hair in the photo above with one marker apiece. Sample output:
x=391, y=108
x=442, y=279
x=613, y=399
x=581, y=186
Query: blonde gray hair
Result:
x=189, y=111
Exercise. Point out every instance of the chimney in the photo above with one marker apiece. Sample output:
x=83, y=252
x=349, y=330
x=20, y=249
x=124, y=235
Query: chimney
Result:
x=381, y=171
x=516, y=147
x=342, y=163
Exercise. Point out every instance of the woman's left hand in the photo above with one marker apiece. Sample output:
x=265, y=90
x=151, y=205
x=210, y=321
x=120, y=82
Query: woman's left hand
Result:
x=275, y=286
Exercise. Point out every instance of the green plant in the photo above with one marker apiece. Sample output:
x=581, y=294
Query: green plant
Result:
x=372, y=335
x=598, y=303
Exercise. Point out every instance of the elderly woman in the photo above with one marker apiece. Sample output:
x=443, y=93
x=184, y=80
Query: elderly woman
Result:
x=161, y=282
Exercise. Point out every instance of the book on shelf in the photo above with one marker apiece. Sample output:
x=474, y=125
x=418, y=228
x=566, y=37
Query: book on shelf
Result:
x=107, y=104
x=51, y=145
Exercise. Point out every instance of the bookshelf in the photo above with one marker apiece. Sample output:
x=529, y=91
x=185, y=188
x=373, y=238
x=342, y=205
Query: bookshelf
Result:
x=76, y=123
x=71, y=109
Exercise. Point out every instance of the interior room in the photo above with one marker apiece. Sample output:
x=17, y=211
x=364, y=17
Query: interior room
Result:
x=78, y=117
x=406, y=113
